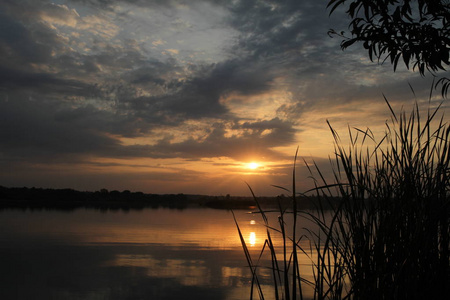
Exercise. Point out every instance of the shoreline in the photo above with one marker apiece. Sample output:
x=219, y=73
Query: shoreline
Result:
x=70, y=199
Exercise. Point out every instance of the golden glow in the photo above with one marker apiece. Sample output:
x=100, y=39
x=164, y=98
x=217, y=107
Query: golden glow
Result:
x=252, y=239
x=253, y=166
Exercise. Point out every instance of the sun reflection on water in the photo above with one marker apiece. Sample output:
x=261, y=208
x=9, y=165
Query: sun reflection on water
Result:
x=252, y=239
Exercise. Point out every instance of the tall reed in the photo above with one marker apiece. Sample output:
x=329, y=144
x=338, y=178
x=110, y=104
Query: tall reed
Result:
x=394, y=216
x=388, y=236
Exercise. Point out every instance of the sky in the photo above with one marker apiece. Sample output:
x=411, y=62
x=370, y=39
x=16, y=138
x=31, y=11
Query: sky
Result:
x=194, y=97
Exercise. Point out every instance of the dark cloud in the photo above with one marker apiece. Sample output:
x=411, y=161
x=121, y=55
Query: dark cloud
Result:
x=77, y=84
x=199, y=95
x=45, y=83
x=36, y=130
x=253, y=141
x=273, y=28
x=233, y=76
x=21, y=46
x=29, y=130
x=28, y=60
x=139, y=3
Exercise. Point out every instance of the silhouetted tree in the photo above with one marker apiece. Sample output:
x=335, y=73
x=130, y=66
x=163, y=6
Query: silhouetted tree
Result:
x=415, y=30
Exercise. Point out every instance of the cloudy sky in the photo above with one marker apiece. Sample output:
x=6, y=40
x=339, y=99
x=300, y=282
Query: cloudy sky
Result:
x=168, y=96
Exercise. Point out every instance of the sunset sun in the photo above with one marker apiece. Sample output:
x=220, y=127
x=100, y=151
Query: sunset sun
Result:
x=253, y=166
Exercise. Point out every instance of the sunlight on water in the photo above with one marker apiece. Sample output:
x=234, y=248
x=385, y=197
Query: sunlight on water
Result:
x=149, y=252
x=252, y=239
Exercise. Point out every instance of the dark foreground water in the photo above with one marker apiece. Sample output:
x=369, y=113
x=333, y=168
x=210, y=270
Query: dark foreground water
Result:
x=147, y=254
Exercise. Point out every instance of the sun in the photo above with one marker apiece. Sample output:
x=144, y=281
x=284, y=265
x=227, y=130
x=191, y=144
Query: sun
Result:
x=253, y=166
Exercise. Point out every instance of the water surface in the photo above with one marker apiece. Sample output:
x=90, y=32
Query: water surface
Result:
x=138, y=254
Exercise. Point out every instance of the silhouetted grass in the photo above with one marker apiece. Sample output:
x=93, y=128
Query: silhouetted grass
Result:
x=389, y=236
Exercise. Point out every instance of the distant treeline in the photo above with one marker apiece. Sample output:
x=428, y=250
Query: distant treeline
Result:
x=38, y=198
x=69, y=199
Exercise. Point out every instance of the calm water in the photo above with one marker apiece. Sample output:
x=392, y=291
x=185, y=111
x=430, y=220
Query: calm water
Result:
x=147, y=254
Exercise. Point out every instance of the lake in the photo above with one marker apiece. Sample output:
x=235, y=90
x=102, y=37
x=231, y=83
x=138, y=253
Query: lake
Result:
x=135, y=254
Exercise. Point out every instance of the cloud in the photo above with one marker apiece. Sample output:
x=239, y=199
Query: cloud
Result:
x=11, y=80
x=242, y=142
x=87, y=80
x=199, y=94
x=100, y=26
x=269, y=28
x=173, y=51
x=158, y=42
x=23, y=46
x=30, y=131
x=37, y=130
x=59, y=15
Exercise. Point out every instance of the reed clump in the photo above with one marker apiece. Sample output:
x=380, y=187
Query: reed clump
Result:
x=388, y=238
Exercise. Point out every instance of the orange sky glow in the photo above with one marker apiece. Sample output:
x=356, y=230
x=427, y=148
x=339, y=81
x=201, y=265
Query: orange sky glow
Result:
x=198, y=97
